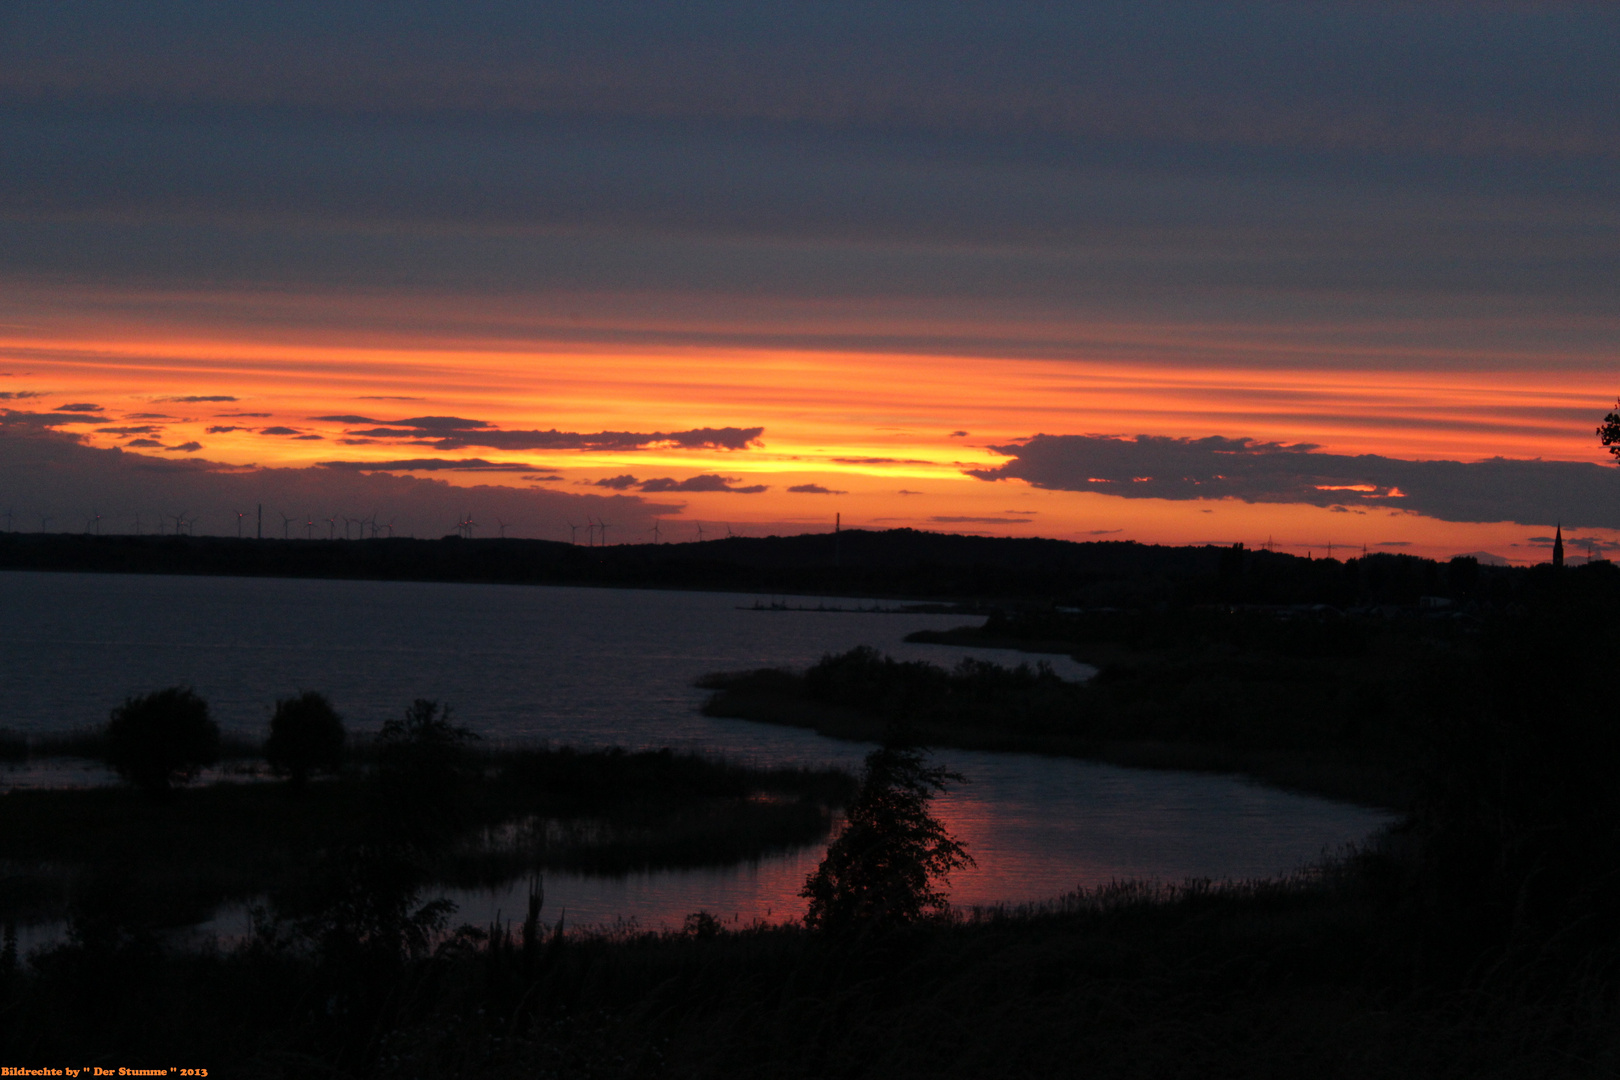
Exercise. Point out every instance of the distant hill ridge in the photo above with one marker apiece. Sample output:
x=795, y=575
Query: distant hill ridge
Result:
x=892, y=563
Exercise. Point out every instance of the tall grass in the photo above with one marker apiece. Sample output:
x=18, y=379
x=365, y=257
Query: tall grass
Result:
x=1259, y=979
x=605, y=812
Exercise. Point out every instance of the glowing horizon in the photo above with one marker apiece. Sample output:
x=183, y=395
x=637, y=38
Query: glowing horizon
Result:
x=864, y=426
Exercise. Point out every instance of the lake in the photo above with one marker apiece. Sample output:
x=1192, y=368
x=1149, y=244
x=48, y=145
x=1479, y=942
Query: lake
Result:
x=593, y=667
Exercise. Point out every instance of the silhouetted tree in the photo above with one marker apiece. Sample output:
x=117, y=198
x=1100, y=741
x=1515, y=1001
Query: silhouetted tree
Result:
x=424, y=742
x=368, y=908
x=306, y=736
x=1609, y=431
x=161, y=739
x=423, y=759
x=885, y=867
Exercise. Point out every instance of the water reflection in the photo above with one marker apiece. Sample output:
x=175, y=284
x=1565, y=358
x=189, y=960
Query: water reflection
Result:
x=586, y=667
x=593, y=667
x=1037, y=827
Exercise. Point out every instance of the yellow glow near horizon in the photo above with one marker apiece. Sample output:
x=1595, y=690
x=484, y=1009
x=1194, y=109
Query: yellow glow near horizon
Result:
x=878, y=427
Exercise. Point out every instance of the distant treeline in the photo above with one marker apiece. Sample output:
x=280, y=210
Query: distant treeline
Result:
x=896, y=563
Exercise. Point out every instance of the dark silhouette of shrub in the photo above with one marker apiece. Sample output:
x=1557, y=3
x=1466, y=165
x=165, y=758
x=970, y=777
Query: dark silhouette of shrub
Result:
x=885, y=867
x=306, y=736
x=367, y=906
x=913, y=692
x=161, y=739
x=424, y=745
x=423, y=762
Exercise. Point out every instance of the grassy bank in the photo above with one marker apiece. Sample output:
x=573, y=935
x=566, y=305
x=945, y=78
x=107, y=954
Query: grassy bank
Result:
x=514, y=811
x=1322, y=976
x=1263, y=717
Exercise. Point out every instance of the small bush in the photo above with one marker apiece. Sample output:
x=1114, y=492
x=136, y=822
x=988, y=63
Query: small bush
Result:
x=423, y=761
x=424, y=746
x=160, y=739
x=306, y=736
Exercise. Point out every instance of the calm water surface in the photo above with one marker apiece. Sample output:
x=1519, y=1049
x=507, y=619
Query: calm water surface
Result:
x=592, y=667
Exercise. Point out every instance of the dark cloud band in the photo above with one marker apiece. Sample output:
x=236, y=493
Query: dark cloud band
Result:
x=431, y=465
x=457, y=433
x=1163, y=467
x=705, y=482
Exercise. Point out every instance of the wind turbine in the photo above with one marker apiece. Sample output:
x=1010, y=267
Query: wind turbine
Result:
x=331, y=528
x=654, y=530
x=603, y=525
x=700, y=531
x=240, y=514
x=573, y=533
x=286, y=525
x=95, y=519
x=309, y=528
x=502, y=525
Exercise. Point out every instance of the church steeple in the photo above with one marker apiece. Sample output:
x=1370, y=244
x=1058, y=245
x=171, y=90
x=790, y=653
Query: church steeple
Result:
x=1558, y=546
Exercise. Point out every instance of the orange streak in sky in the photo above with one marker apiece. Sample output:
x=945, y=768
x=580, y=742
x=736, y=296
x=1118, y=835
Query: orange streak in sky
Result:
x=897, y=410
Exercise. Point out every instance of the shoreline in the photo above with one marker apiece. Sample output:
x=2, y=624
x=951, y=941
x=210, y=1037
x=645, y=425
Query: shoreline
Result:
x=1335, y=778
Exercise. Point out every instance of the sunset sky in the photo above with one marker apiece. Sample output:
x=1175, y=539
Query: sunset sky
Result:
x=1319, y=273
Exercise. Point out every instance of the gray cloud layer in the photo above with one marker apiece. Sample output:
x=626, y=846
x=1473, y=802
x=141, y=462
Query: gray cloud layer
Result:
x=704, y=482
x=1373, y=159
x=430, y=465
x=456, y=433
x=54, y=476
x=1161, y=467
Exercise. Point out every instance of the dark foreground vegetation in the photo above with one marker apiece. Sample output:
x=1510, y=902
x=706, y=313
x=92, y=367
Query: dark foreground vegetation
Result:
x=421, y=804
x=1476, y=939
x=1348, y=974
